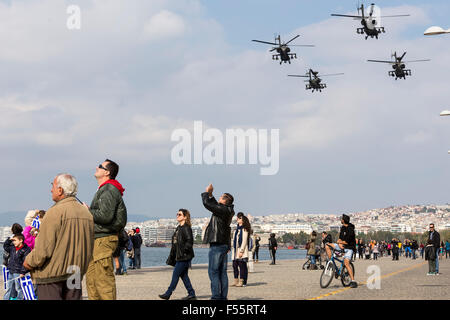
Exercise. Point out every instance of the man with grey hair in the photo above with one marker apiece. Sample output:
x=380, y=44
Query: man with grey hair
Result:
x=64, y=246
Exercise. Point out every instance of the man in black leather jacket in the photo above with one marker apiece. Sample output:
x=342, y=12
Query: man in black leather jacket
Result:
x=218, y=235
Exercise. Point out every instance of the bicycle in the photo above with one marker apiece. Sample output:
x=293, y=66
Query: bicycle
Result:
x=331, y=270
x=318, y=265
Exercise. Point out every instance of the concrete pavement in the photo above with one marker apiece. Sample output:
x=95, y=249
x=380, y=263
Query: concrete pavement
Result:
x=403, y=279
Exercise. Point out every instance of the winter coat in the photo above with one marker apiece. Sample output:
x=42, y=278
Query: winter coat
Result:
x=66, y=239
x=108, y=209
x=183, y=243
x=273, y=243
x=436, y=239
x=137, y=241
x=29, y=239
x=218, y=230
x=16, y=257
x=312, y=245
x=242, y=248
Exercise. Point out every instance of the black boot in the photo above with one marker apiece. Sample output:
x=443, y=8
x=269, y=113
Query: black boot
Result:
x=164, y=296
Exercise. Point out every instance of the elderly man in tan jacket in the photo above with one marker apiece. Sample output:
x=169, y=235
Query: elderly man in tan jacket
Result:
x=64, y=245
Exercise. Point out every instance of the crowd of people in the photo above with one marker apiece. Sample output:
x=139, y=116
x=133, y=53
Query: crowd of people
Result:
x=432, y=250
x=69, y=241
x=72, y=238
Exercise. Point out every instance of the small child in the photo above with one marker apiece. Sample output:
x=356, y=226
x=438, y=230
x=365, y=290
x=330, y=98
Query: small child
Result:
x=430, y=255
x=17, y=250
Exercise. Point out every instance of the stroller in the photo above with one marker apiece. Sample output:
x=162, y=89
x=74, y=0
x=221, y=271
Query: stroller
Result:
x=320, y=256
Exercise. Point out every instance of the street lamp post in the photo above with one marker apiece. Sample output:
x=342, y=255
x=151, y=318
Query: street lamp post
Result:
x=445, y=113
x=431, y=31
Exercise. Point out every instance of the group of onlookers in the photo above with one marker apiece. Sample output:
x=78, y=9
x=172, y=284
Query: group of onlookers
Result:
x=69, y=241
x=243, y=244
x=129, y=246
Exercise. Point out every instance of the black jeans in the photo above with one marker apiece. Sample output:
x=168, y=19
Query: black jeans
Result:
x=240, y=270
x=272, y=254
x=256, y=253
x=137, y=258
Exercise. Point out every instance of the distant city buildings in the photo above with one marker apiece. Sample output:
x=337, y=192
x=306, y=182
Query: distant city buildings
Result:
x=411, y=218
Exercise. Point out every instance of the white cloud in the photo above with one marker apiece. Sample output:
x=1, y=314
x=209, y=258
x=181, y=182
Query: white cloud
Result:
x=164, y=24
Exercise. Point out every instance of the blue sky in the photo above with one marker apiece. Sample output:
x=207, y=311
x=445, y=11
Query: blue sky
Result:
x=138, y=70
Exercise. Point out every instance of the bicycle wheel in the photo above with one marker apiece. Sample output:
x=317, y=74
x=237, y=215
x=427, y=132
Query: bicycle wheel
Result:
x=345, y=276
x=306, y=264
x=327, y=275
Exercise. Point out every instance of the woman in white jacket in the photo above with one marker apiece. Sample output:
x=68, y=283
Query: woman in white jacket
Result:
x=239, y=252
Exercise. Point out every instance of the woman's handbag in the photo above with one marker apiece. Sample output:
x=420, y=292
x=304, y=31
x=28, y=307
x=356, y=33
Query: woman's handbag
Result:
x=171, y=259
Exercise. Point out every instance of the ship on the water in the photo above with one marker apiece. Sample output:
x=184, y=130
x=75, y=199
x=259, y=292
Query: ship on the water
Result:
x=157, y=244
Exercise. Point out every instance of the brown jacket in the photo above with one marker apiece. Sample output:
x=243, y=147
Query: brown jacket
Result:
x=312, y=245
x=66, y=239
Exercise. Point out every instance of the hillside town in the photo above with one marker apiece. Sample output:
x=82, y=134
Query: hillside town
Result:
x=408, y=218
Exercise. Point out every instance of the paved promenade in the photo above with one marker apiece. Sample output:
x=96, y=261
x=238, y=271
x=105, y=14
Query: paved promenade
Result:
x=403, y=279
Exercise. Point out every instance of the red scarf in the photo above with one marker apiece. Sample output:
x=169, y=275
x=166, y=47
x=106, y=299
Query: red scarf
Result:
x=115, y=183
x=18, y=248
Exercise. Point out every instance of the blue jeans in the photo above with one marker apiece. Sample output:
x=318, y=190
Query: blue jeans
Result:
x=313, y=258
x=217, y=271
x=13, y=288
x=131, y=263
x=181, y=271
x=123, y=265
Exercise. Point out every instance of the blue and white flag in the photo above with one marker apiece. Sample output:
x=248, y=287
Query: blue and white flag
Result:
x=5, y=274
x=36, y=223
x=27, y=287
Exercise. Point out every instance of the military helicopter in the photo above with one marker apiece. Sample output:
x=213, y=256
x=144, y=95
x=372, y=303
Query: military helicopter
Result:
x=283, y=49
x=314, y=82
x=369, y=22
x=399, y=66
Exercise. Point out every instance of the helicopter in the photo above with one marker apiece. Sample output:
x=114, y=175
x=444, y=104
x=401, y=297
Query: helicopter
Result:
x=314, y=81
x=284, y=52
x=399, y=66
x=369, y=22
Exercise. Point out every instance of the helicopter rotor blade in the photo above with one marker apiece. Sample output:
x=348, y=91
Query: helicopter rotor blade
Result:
x=418, y=60
x=297, y=75
x=396, y=16
x=382, y=61
x=293, y=38
x=331, y=74
x=347, y=16
x=302, y=45
x=271, y=43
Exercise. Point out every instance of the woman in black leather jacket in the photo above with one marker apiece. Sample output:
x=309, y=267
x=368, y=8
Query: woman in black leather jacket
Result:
x=181, y=255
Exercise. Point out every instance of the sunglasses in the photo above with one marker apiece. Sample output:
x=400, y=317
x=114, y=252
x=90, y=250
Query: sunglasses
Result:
x=179, y=214
x=102, y=167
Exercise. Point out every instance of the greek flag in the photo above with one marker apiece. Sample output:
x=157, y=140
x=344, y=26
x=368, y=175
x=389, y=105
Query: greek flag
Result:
x=36, y=223
x=27, y=287
x=5, y=273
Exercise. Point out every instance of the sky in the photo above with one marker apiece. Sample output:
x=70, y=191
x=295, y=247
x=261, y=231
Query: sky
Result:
x=138, y=70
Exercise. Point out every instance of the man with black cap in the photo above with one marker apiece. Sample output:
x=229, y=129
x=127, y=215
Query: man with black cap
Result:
x=347, y=242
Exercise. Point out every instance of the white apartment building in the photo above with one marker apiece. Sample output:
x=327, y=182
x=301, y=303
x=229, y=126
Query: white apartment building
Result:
x=400, y=227
x=292, y=228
